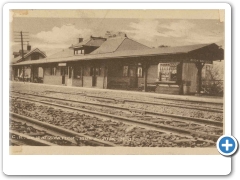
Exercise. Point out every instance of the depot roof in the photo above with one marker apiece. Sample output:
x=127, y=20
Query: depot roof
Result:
x=213, y=49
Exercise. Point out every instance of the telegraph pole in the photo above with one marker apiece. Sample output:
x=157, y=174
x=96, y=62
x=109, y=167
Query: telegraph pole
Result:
x=22, y=55
x=22, y=40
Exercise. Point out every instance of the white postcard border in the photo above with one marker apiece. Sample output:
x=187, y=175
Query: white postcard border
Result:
x=115, y=164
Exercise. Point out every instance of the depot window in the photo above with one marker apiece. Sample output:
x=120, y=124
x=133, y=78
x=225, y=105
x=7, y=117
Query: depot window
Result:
x=64, y=71
x=70, y=72
x=95, y=71
x=139, y=72
x=53, y=70
x=78, y=51
x=125, y=71
x=16, y=71
x=167, y=72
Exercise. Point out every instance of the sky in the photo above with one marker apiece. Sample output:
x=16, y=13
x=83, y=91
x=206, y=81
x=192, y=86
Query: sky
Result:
x=54, y=34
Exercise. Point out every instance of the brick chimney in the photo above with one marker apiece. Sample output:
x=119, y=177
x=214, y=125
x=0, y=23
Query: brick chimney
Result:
x=28, y=47
x=80, y=40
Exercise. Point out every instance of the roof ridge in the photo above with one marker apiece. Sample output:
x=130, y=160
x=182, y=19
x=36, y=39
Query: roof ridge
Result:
x=30, y=52
x=120, y=44
x=139, y=43
x=87, y=40
x=57, y=52
x=39, y=50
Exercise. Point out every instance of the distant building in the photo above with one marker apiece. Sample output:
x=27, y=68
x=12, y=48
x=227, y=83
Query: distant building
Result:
x=28, y=72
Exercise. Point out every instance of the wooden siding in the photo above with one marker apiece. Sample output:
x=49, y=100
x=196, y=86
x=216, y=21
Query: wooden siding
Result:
x=87, y=81
x=69, y=82
x=167, y=89
x=189, y=73
x=47, y=71
x=99, y=82
x=77, y=82
x=56, y=80
x=140, y=82
x=152, y=73
x=115, y=82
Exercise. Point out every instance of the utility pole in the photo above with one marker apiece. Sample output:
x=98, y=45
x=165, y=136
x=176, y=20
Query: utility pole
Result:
x=22, y=40
x=22, y=55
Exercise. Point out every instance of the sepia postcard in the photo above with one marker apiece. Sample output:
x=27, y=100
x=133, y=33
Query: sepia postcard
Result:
x=122, y=82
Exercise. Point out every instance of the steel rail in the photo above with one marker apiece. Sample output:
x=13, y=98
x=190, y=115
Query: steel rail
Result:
x=175, y=117
x=121, y=118
x=180, y=105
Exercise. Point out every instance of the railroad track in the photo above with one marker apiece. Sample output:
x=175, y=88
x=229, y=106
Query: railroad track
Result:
x=145, y=112
x=180, y=105
x=188, y=100
x=163, y=104
x=146, y=138
x=46, y=131
x=160, y=127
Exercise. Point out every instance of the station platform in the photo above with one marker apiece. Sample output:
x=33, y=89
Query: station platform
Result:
x=73, y=89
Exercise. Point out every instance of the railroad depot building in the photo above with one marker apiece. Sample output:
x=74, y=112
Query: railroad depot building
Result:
x=122, y=63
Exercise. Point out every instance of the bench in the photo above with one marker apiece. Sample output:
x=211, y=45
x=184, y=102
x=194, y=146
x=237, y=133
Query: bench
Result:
x=150, y=87
x=168, y=89
x=119, y=85
x=163, y=87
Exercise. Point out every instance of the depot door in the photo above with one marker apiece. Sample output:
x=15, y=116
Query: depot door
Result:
x=35, y=74
x=133, y=76
x=63, y=72
x=94, y=73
